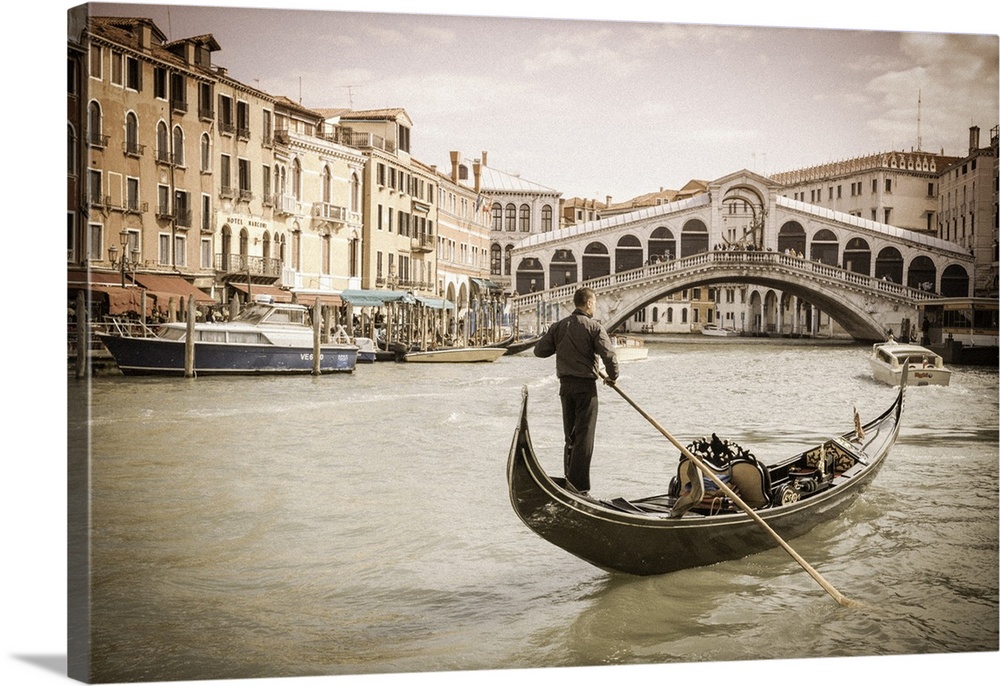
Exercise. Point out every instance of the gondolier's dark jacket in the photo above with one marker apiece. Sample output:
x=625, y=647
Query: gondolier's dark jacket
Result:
x=575, y=340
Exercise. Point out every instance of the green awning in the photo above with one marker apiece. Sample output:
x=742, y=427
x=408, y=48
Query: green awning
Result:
x=375, y=298
x=436, y=303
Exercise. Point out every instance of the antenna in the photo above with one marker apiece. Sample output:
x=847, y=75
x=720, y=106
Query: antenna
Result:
x=920, y=146
x=350, y=95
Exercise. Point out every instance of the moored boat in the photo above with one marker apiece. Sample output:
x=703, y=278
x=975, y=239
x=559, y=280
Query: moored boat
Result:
x=719, y=331
x=629, y=349
x=265, y=338
x=467, y=354
x=689, y=525
x=926, y=368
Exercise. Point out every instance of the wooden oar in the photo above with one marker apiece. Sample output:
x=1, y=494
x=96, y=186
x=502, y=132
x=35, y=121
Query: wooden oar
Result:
x=834, y=593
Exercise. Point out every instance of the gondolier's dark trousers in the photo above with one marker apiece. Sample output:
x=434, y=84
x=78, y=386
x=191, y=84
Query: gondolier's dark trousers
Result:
x=579, y=411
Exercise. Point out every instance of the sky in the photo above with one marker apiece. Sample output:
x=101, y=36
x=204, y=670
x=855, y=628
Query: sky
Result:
x=593, y=106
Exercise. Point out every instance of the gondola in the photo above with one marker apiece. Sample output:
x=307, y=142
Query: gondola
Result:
x=691, y=525
x=520, y=345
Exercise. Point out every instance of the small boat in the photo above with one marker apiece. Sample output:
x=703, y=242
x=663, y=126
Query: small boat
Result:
x=468, y=354
x=265, y=338
x=629, y=349
x=690, y=525
x=367, y=350
x=926, y=368
x=719, y=331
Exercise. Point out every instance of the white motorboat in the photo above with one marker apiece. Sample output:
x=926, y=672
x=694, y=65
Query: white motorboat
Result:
x=629, y=349
x=926, y=368
x=716, y=330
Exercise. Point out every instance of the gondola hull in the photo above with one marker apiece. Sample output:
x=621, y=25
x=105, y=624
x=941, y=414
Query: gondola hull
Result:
x=651, y=540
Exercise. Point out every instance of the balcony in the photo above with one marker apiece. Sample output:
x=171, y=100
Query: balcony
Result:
x=97, y=140
x=136, y=207
x=206, y=113
x=243, y=133
x=179, y=105
x=286, y=204
x=363, y=139
x=227, y=127
x=133, y=149
x=227, y=192
x=422, y=243
x=329, y=212
x=253, y=265
x=246, y=195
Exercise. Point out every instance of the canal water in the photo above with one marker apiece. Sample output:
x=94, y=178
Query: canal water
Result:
x=359, y=524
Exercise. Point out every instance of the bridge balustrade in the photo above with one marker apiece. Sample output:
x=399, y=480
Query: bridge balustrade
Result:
x=724, y=259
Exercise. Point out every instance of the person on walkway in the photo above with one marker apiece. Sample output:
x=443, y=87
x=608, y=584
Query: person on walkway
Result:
x=577, y=341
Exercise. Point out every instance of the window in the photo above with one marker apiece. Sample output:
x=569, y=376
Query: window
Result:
x=268, y=135
x=297, y=179
x=266, y=182
x=117, y=68
x=178, y=157
x=72, y=77
x=403, y=135
x=182, y=208
x=206, y=253
x=525, y=219
x=244, y=174
x=243, y=120
x=546, y=217
x=206, y=212
x=178, y=93
x=163, y=200
x=95, y=241
x=133, y=74
x=180, y=251
x=225, y=175
x=71, y=144
x=132, y=194
x=888, y=185
x=96, y=62
x=95, y=192
x=205, y=101
x=510, y=218
x=131, y=134
x=325, y=262
x=95, y=135
x=497, y=217
x=163, y=249
x=226, y=123
x=327, y=184
x=206, y=153
x=162, y=144
x=160, y=83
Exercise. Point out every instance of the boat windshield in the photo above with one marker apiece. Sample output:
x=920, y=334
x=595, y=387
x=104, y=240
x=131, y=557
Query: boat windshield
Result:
x=274, y=314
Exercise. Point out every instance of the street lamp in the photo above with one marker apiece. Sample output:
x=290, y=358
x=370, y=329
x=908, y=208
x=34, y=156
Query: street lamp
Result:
x=124, y=237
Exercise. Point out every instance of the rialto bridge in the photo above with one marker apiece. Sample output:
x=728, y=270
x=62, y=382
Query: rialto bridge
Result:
x=867, y=276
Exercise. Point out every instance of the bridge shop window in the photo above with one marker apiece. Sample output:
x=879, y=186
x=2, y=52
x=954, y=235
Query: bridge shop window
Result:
x=825, y=247
x=596, y=261
x=694, y=238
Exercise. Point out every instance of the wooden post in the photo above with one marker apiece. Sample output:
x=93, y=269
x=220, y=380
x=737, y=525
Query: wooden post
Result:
x=316, y=338
x=189, y=341
x=82, y=336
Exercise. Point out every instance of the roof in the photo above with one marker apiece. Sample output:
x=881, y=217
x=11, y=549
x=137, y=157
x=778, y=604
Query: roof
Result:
x=507, y=182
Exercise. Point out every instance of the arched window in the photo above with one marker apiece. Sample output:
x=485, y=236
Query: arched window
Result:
x=662, y=245
x=562, y=268
x=858, y=256
x=355, y=193
x=297, y=182
x=94, y=124
x=792, y=237
x=162, y=144
x=507, y=259
x=497, y=210
x=511, y=218
x=825, y=248
x=530, y=276
x=71, y=150
x=596, y=261
x=694, y=238
x=546, y=217
x=206, y=152
x=889, y=265
x=922, y=274
x=178, y=150
x=496, y=259
x=525, y=219
x=327, y=184
x=628, y=253
x=954, y=281
x=131, y=134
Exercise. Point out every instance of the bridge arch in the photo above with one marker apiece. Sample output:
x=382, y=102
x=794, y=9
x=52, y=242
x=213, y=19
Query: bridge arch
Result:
x=596, y=260
x=825, y=247
x=628, y=253
x=792, y=238
x=694, y=238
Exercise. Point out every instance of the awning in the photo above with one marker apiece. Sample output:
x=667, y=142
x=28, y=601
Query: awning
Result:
x=176, y=285
x=280, y=295
x=309, y=299
x=375, y=298
x=122, y=300
x=436, y=303
x=486, y=284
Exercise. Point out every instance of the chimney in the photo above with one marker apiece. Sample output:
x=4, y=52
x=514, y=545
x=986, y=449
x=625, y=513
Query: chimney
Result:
x=485, y=164
x=477, y=172
x=454, y=165
x=973, y=139
x=145, y=37
x=608, y=203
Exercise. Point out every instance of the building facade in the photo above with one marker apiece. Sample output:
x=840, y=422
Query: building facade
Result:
x=463, y=239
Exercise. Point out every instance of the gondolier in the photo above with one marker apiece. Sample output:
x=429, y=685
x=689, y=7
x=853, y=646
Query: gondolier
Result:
x=577, y=341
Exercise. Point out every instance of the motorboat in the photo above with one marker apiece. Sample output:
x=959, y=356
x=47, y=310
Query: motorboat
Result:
x=265, y=338
x=693, y=524
x=719, y=331
x=629, y=349
x=926, y=368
